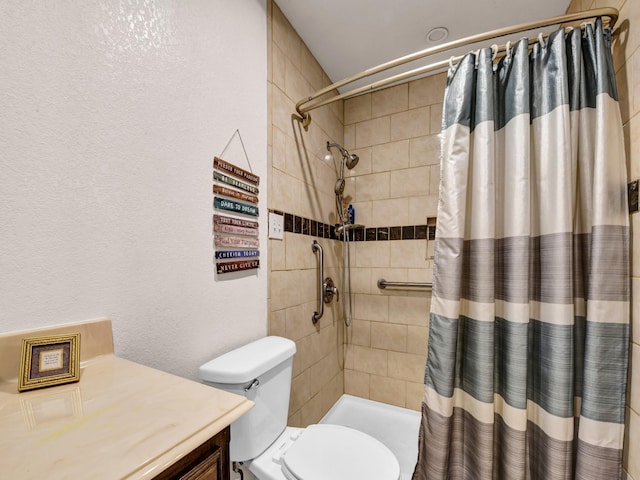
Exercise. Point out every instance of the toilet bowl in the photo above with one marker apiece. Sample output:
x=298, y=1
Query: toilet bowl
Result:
x=261, y=440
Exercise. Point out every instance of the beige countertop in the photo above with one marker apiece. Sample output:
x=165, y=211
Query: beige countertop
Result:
x=121, y=420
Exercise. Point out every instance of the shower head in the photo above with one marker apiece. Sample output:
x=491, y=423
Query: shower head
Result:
x=348, y=159
x=352, y=161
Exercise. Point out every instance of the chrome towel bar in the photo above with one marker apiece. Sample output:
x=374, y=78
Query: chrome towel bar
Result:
x=382, y=283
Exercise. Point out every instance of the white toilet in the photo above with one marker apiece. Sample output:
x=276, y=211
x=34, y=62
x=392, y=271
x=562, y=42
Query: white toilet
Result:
x=261, y=371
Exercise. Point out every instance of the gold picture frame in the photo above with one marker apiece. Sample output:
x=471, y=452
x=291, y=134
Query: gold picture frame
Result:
x=48, y=361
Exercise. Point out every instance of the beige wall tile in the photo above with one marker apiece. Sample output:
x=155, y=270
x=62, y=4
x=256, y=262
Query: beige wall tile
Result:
x=360, y=278
x=302, y=358
x=373, y=132
x=427, y=91
x=372, y=187
x=296, y=85
x=425, y=206
x=311, y=70
x=299, y=255
x=372, y=254
x=277, y=323
x=370, y=360
x=409, y=124
x=349, y=136
x=436, y=118
x=634, y=147
x=424, y=151
x=323, y=372
x=634, y=83
x=409, y=310
x=390, y=156
x=417, y=339
x=371, y=307
x=301, y=386
x=285, y=36
x=356, y=383
x=298, y=322
x=281, y=109
x=390, y=212
x=406, y=366
x=364, y=213
x=278, y=62
x=625, y=98
x=409, y=253
x=279, y=151
x=388, y=390
x=434, y=186
x=389, y=336
x=277, y=252
x=409, y=182
x=390, y=100
x=357, y=109
x=359, y=333
x=420, y=274
x=364, y=166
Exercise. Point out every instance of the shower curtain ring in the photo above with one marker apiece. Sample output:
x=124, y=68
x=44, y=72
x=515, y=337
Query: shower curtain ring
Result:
x=494, y=52
x=451, y=62
x=508, y=49
x=541, y=40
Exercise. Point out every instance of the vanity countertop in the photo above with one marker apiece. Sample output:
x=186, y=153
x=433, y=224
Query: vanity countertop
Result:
x=122, y=420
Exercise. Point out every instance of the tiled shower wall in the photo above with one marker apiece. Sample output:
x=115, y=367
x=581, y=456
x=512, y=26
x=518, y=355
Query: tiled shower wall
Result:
x=395, y=133
x=626, y=53
x=302, y=184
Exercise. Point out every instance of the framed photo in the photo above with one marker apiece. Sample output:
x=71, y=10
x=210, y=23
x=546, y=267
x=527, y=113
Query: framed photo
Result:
x=48, y=361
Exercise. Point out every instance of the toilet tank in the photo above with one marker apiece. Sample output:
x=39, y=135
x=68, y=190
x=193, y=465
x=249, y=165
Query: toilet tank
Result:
x=266, y=364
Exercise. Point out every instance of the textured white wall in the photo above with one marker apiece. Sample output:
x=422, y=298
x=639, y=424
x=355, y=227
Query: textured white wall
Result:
x=110, y=114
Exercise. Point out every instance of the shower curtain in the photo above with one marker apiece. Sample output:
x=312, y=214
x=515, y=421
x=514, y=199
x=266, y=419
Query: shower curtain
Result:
x=527, y=361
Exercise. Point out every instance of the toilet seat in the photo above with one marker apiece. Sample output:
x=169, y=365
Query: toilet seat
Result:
x=335, y=452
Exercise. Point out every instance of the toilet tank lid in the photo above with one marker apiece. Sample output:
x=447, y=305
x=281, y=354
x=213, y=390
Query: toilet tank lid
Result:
x=247, y=362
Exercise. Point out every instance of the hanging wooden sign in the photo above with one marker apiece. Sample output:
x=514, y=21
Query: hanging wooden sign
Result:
x=238, y=222
x=225, y=254
x=232, y=229
x=227, y=192
x=238, y=207
x=236, y=242
x=238, y=172
x=234, y=183
x=228, y=267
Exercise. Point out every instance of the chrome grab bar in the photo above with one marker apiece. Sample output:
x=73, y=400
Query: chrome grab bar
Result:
x=382, y=284
x=317, y=315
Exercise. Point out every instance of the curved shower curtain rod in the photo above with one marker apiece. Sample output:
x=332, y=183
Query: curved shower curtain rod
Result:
x=304, y=106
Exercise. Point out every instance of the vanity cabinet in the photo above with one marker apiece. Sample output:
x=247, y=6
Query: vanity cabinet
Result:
x=209, y=461
x=120, y=420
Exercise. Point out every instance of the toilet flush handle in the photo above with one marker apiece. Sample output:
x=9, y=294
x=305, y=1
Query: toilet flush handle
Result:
x=252, y=385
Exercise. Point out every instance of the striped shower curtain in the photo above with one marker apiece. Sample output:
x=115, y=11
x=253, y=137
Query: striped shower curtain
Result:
x=528, y=343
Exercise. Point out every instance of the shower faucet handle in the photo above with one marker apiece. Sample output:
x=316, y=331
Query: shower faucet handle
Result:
x=330, y=289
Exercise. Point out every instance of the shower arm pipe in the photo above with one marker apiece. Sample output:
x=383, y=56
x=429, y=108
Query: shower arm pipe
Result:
x=303, y=109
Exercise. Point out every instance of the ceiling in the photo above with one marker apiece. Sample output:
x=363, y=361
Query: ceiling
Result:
x=349, y=36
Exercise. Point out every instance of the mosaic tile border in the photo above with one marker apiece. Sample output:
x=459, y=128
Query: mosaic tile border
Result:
x=306, y=226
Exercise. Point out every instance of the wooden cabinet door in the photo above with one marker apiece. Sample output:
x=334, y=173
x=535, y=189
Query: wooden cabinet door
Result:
x=209, y=461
